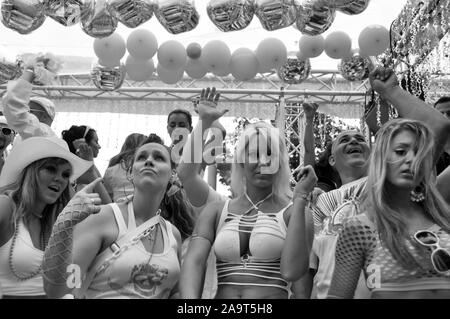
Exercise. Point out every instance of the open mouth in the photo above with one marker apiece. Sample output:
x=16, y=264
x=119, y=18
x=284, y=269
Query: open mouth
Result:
x=354, y=150
x=54, y=188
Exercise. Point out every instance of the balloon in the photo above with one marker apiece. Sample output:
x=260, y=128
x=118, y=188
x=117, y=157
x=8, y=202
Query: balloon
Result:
x=351, y=7
x=67, y=12
x=231, y=15
x=275, y=14
x=142, y=44
x=355, y=68
x=110, y=49
x=172, y=55
x=373, y=40
x=169, y=76
x=139, y=70
x=177, y=16
x=132, y=13
x=244, y=64
x=96, y=20
x=338, y=45
x=194, y=51
x=108, y=79
x=314, y=18
x=9, y=68
x=294, y=71
x=223, y=71
x=216, y=56
x=23, y=16
x=311, y=46
x=271, y=53
x=195, y=69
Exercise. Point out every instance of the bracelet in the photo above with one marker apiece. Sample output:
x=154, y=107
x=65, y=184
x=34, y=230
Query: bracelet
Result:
x=304, y=196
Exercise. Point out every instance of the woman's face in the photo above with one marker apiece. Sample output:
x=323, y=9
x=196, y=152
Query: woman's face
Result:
x=52, y=179
x=94, y=144
x=400, y=155
x=152, y=165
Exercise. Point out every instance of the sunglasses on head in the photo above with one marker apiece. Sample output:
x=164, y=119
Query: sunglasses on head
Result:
x=440, y=257
x=7, y=131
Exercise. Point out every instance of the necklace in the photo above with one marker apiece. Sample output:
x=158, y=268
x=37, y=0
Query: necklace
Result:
x=11, y=263
x=255, y=206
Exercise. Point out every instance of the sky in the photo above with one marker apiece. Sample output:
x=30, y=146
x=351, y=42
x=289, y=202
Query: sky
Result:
x=58, y=39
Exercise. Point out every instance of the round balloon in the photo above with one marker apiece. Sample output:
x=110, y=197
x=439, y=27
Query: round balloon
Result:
x=194, y=51
x=216, y=56
x=373, y=40
x=131, y=13
x=108, y=79
x=110, y=49
x=352, y=7
x=355, y=68
x=244, y=64
x=177, y=16
x=231, y=15
x=96, y=20
x=142, y=44
x=225, y=71
x=195, y=69
x=68, y=12
x=311, y=46
x=275, y=14
x=23, y=16
x=294, y=71
x=139, y=70
x=169, y=76
x=271, y=53
x=172, y=55
x=314, y=17
x=338, y=45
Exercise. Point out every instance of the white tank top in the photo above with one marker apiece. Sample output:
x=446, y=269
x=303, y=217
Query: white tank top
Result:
x=26, y=260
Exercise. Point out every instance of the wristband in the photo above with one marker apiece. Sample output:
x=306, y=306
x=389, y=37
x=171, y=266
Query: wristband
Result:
x=304, y=196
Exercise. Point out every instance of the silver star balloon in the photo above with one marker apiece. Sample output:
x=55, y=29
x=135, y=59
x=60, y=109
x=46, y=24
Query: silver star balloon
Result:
x=108, y=78
x=231, y=15
x=352, y=7
x=177, y=16
x=131, y=13
x=9, y=69
x=96, y=20
x=23, y=16
x=314, y=17
x=66, y=12
x=276, y=14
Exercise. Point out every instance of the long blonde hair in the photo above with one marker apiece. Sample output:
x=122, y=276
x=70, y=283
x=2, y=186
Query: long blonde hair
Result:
x=391, y=224
x=281, y=184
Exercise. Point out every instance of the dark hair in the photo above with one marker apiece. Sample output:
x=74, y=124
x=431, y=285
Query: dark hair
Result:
x=132, y=142
x=174, y=207
x=327, y=177
x=76, y=132
x=442, y=99
x=181, y=111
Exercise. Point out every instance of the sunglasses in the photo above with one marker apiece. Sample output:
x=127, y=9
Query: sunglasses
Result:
x=7, y=131
x=440, y=257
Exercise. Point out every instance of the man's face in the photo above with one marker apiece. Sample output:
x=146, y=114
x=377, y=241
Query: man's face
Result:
x=5, y=138
x=444, y=108
x=349, y=149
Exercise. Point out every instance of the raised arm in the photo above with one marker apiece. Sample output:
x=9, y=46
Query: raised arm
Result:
x=69, y=245
x=297, y=247
x=310, y=110
x=197, y=189
x=385, y=82
x=193, y=268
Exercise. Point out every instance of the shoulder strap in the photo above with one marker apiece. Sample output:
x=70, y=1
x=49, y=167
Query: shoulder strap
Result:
x=119, y=219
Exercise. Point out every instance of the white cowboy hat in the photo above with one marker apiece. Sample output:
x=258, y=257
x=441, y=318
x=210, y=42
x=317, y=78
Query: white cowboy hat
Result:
x=35, y=148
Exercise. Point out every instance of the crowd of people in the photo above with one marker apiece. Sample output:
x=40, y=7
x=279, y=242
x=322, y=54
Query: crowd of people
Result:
x=365, y=220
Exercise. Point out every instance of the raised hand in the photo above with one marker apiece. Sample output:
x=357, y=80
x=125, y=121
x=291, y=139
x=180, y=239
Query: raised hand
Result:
x=383, y=80
x=83, y=150
x=207, y=106
x=307, y=181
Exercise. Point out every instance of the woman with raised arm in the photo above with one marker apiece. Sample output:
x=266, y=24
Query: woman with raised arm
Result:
x=127, y=250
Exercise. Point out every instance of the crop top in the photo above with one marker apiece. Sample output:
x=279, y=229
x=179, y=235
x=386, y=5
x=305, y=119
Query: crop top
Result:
x=359, y=247
x=267, y=237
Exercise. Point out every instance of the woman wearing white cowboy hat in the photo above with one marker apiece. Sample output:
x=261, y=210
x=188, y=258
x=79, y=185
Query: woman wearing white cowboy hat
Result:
x=34, y=188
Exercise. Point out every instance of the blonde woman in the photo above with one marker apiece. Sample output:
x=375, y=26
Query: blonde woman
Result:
x=402, y=240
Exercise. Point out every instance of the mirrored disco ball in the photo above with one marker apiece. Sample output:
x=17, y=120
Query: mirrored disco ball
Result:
x=131, y=13
x=355, y=68
x=177, y=16
x=294, y=71
x=276, y=14
x=231, y=15
x=107, y=78
x=23, y=16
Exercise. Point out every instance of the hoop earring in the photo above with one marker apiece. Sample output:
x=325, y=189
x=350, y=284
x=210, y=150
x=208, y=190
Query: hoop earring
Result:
x=418, y=194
